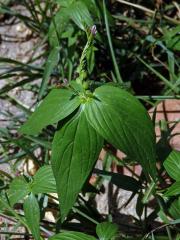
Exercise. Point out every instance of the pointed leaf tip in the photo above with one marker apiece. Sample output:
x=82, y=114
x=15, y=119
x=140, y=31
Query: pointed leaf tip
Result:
x=58, y=104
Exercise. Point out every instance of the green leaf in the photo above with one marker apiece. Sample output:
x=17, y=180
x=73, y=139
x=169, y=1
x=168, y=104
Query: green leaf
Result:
x=172, y=165
x=2, y=200
x=106, y=231
x=58, y=25
x=32, y=215
x=94, y=9
x=79, y=13
x=44, y=181
x=175, y=209
x=120, y=180
x=122, y=121
x=172, y=38
x=51, y=63
x=91, y=59
x=56, y=106
x=139, y=205
x=72, y=236
x=173, y=190
x=18, y=189
x=75, y=149
x=150, y=190
x=64, y=3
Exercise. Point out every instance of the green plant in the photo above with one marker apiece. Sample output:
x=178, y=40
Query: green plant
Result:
x=87, y=112
x=79, y=140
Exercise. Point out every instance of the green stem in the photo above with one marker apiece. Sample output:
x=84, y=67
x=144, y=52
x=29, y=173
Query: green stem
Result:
x=149, y=192
x=118, y=75
x=77, y=210
x=169, y=233
x=158, y=97
x=117, y=160
x=84, y=215
x=166, y=81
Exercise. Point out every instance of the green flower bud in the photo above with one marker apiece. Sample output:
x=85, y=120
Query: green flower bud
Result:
x=85, y=85
x=83, y=75
x=79, y=80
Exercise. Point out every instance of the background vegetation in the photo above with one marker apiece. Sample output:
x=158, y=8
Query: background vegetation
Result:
x=137, y=48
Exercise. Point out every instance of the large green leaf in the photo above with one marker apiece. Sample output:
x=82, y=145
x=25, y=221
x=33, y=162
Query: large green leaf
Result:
x=72, y=236
x=122, y=121
x=44, y=181
x=172, y=165
x=75, y=149
x=173, y=189
x=106, y=231
x=57, y=105
x=32, y=215
x=74, y=10
x=18, y=189
x=51, y=63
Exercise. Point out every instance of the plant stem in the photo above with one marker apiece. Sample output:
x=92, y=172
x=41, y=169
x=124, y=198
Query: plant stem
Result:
x=84, y=215
x=77, y=210
x=169, y=233
x=166, y=82
x=158, y=97
x=118, y=75
x=125, y=166
x=149, y=192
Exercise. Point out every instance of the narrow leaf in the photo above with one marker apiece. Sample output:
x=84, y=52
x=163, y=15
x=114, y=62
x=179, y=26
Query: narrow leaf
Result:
x=106, y=231
x=52, y=61
x=175, y=209
x=72, y=236
x=76, y=147
x=64, y=3
x=122, y=121
x=173, y=190
x=79, y=13
x=122, y=181
x=172, y=165
x=160, y=76
x=56, y=106
x=32, y=215
x=44, y=181
x=58, y=25
x=149, y=192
